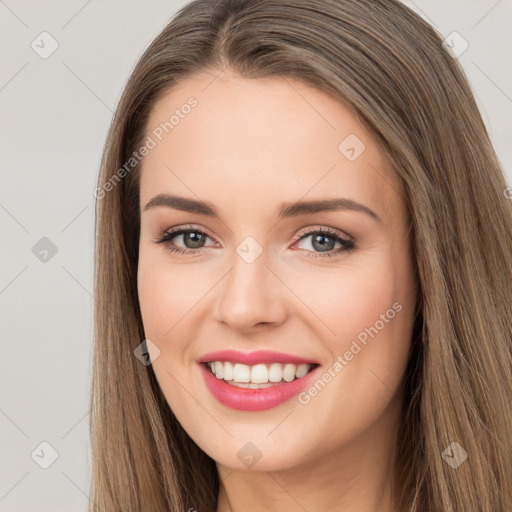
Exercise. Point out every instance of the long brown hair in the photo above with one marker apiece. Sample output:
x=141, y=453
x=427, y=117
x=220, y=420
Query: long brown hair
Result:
x=389, y=67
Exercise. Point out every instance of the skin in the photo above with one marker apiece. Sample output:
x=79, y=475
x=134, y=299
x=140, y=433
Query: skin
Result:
x=247, y=146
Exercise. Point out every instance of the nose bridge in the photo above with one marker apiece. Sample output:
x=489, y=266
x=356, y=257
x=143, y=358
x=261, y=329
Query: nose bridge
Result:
x=249, y=266
x=249, y=295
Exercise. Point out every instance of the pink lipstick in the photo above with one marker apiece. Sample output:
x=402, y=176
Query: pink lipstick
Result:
x=237, y=394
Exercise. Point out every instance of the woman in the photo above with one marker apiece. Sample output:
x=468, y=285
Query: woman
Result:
x=303, y=271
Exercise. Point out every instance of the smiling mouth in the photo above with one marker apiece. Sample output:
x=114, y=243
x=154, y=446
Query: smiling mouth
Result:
x=258, y=376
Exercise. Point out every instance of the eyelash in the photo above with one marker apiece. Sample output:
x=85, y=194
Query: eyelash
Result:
x=348, y=245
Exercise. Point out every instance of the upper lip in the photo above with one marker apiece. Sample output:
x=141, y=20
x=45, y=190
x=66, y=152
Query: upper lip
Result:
x=254, y=357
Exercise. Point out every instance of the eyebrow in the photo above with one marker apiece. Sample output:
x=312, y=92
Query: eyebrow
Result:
x=294, y=209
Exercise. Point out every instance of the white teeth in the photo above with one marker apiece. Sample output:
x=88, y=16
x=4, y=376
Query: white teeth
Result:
x=241, y=372
x=275, y=373
x=249, y=385
x=289, y=372
x=228, y=371
x=259, y=375
x=302, y=369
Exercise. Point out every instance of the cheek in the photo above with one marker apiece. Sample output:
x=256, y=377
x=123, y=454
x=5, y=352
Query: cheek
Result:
x=151, y=286
x=369, y=313
x=347, y=300
x=163, y=295
x=172, y=312
x=375, y=318
x=164, y=306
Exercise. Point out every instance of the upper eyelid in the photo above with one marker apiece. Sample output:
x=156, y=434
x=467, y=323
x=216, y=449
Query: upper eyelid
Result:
x=178, y=230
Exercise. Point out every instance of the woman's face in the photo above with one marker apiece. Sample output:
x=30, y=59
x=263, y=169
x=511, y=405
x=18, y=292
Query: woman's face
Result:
x=329, y=285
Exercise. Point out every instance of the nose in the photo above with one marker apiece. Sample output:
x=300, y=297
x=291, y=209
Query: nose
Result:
x=250, y=296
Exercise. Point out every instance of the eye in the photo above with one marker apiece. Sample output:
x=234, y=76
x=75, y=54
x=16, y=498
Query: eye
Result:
x=324, y=240
x=194, y=238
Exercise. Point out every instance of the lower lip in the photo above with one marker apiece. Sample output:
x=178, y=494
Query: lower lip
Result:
x=245, y=399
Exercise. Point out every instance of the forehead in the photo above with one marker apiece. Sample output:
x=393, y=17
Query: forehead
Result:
x=249, y=142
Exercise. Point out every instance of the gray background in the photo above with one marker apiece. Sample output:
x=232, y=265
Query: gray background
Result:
x=55, y=116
